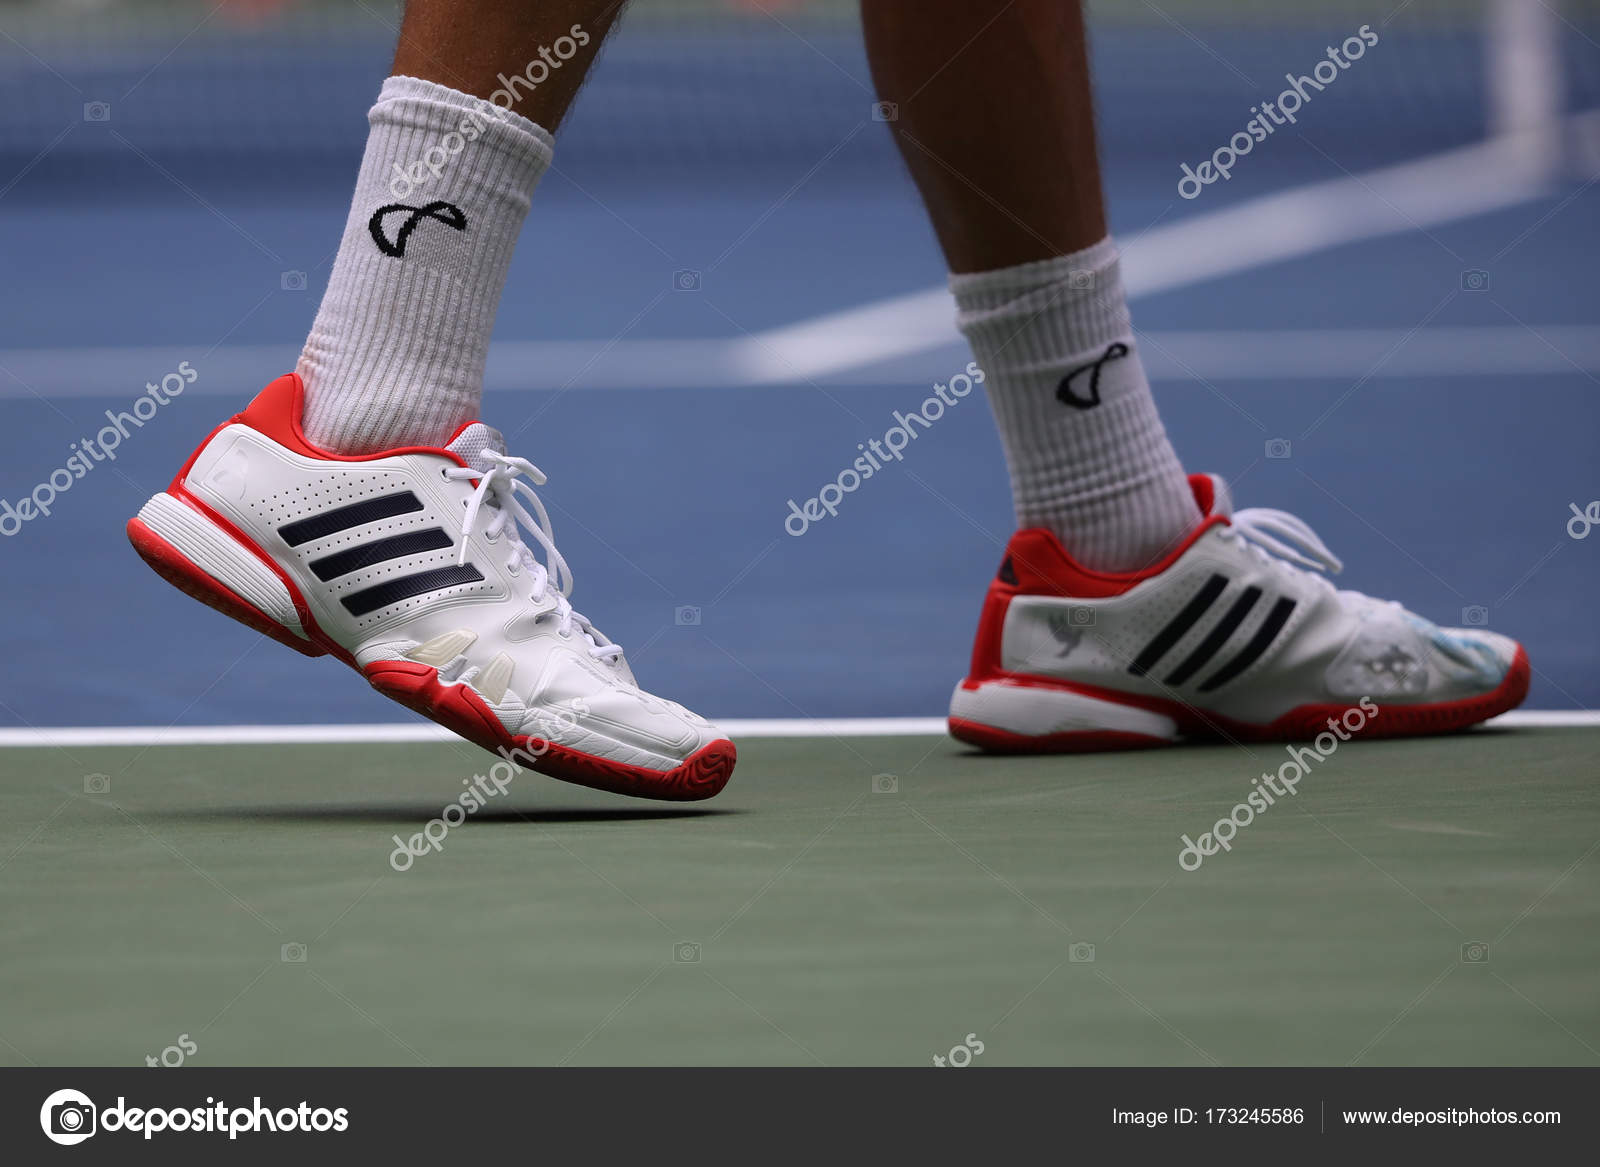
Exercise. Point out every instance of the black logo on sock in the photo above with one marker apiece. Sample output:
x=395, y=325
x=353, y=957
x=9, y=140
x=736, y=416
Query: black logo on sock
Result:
x=1066, y=396
x=447, y=213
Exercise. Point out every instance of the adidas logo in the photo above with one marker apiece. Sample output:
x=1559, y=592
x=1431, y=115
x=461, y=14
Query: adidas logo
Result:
x=1192, y=613
x=369, y=554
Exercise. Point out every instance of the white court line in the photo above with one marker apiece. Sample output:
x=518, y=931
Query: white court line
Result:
x=1291, y=224
x=410, y=732
x=1377, y=353
x=1440, y=188
x=1509, y=350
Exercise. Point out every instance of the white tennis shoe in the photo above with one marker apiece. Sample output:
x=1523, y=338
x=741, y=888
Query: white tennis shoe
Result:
x=411, y=566
x=1237, y=634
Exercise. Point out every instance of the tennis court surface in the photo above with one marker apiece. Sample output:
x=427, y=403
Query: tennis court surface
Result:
x=848, y=900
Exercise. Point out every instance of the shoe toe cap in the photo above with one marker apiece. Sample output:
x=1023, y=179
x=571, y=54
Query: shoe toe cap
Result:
x=625, y=723
x=1470, y=659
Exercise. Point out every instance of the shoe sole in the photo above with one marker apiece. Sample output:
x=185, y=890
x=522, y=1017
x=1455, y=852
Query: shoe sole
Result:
x=202, y=555
x=1106, y=720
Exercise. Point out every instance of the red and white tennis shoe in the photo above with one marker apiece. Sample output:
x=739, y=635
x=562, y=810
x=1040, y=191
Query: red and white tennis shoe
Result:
x=1231, y=636
x=410, y=566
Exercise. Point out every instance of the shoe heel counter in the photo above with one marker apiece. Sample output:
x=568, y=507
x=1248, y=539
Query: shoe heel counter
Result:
x=991, y=632
x=181, y=478
x=274, y=413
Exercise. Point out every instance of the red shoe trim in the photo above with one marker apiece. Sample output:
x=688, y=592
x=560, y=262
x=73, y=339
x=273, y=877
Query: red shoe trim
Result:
x=307, y=621
x=174, y=567
x=1043, y=567
x=276, y=412
x=1000, y=741
x=460, y=710
x=1036, y=564
x=1040, y=566
x=1301, y=723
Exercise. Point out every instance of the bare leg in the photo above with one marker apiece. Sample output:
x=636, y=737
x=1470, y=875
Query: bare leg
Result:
x=996, y=125
x=473, y=45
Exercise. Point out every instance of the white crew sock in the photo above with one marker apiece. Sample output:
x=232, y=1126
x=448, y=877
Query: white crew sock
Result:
x=1088, y=456
x=397, y=352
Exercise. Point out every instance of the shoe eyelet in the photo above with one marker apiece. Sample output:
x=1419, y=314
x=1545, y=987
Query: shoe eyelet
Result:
x=444, y=473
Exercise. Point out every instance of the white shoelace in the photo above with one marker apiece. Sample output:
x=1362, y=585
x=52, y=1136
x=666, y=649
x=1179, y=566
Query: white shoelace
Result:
x=499, y=487
x=1288, y=542
x=1268, y=529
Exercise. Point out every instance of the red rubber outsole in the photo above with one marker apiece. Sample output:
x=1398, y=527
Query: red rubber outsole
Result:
x=459, y=709
x=1002, y=741
x=456, y=707
x=179, y=571
x=1300, y=724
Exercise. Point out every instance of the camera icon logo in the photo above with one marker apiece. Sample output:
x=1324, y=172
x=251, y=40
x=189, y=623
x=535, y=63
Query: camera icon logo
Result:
x=885, y=784
x=885, y=111
x=961, y=1054
x=1475, y=615
x=96, y=111
x=97, y=784
x=686, y=616
x=1474, y=279
x=1581, y=522
x=686, y=280
x=1278, y=447
x=1475, y=952
x=293, y=281
x=1080, y=616
x=686, y=952
x=1080, y=280
x=67, y=1117
x=292, y=953
x=1081, y=953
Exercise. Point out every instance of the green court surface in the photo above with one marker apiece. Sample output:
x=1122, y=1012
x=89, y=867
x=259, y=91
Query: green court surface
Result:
x=1419, y=902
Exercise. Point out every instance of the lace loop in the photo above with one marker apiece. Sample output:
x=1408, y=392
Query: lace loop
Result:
x=1286, y=536
x=503, y=488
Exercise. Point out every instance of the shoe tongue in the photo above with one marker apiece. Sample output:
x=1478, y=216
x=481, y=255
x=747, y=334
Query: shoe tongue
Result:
x=1216, y=487
x=471, y=442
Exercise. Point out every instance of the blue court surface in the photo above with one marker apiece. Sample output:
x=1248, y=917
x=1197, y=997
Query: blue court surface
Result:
x=1407, y=358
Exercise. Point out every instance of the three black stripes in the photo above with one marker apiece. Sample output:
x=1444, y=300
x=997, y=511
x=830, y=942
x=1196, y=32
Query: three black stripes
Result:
x=341, y=563
x=1217, y=637
x=1190, y=615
